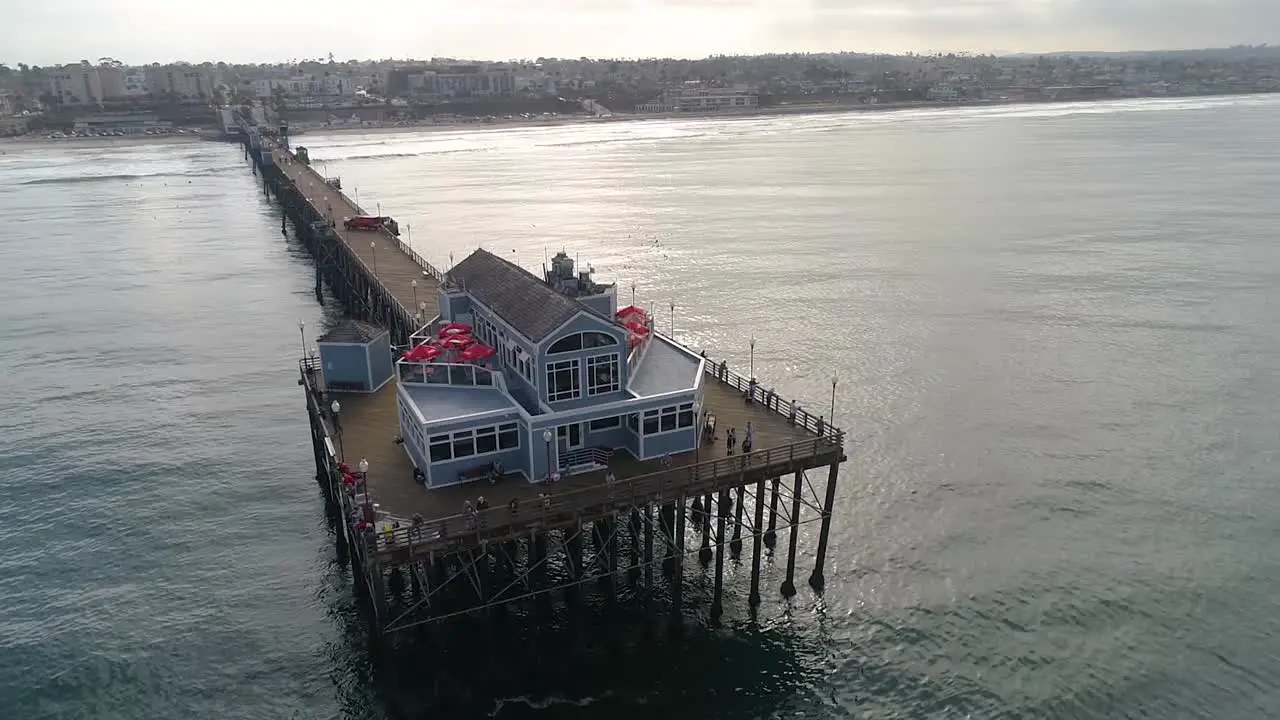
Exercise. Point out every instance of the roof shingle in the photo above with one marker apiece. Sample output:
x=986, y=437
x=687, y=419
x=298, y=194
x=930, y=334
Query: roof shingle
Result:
x=352, y=331
x=530, y=306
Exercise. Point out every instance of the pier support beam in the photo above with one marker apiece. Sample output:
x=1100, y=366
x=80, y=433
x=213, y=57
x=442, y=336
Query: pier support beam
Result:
x=677, y=574
x=704, y=552
x=735, y=546
x=770, y=535
x=756, y=536
x=648, y=547
x=717, y=596
x=817, y=580
x=789, y=584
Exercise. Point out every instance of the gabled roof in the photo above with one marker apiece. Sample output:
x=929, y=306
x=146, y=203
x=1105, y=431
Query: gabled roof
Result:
x=530, y=306
x=352, y=331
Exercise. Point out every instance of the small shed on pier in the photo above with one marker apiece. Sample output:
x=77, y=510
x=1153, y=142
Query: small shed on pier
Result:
x=356, y=357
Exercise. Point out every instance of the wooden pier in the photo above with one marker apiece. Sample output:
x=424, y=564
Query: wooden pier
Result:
x=423, y=559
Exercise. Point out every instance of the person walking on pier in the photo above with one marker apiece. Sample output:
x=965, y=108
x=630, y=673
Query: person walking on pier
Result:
x=731, y=439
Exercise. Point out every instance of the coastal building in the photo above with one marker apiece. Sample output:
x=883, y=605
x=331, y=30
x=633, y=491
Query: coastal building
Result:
x=6, y=103
x=452, y=81
x=696, y=99
x=76, y=85
x=179, y=82
x=540, y=378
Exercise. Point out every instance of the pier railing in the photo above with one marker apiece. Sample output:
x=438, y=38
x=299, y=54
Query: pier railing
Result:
x=556, y=509
x=772, y=401
x=766, y=397
x=427, y=268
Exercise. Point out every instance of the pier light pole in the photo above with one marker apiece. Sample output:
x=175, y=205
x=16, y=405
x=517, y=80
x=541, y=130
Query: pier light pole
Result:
x=835, y=378
x=373, y=248
x=422, y=310
x=414, y=284
x=753, y=356
x=334, y=409
x=633, y=294
x=302, y=330
x=379, y=209
x=546, y=437
x=364, y=478
x=673, y=321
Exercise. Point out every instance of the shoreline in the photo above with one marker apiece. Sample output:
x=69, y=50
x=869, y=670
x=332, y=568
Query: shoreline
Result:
x=798, y=109
x=28, y=141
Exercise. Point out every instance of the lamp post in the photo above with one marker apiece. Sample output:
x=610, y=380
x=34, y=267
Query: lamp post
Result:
x=302, y=330
x=373, y=248
x=414, y=284
x=633, y=294
x=546, y=438
x=364, y=478
x=835, y=378
x=334, y=409
x=673, y=320
x=753, y=356
x=422, y=310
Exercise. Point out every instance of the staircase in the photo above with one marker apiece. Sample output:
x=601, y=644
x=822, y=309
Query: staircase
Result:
x=584, y=460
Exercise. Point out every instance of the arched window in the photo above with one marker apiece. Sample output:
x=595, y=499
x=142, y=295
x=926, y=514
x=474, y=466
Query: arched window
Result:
x=581, y=341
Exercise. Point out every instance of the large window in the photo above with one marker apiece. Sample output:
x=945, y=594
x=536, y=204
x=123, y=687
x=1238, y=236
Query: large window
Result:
x=463, y=444
x=563, y=381
x=602, y=374
x=581, y=341
x=668, y=419
x=605, y=423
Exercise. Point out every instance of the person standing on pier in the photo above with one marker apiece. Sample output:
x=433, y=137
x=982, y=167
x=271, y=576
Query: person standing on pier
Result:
x=731, y=439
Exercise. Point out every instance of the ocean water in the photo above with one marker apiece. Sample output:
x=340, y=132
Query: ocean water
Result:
x=1054, y=331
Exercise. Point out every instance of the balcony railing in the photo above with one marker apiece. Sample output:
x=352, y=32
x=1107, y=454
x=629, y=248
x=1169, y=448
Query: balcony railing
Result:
x=556, y=509
x=456, y=374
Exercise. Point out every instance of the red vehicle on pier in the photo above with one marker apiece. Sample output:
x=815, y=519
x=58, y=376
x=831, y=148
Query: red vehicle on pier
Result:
x=371, y=222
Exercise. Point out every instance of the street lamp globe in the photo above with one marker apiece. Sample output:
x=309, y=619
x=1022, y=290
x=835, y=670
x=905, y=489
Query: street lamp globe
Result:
x=336, y=407
x=364, y=466
x=546, y=436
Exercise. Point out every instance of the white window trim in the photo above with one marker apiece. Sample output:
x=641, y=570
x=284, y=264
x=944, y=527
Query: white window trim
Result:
x=670, y=409
x=497, y=430
x=615, y=384
x=552, y=395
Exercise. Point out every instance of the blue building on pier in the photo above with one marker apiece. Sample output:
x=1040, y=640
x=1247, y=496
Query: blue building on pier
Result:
x=542, y=377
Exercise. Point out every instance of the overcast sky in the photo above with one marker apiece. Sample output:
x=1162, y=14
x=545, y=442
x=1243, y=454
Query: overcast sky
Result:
x=141, y=31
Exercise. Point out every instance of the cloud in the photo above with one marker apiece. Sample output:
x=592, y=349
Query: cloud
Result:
x=146, y=30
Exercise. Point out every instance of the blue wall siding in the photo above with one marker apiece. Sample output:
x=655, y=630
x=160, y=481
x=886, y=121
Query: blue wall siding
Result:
x=446, y=473
x=605, y=304
x=380, y=362
x=418, y=456
x=453, y=305
x=585, y=323
x=345, y=364
x=676, y=441
x=522, y=391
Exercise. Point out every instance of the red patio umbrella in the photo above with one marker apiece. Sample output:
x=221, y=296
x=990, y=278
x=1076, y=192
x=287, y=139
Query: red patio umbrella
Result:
x=422, y=352
x=457, y=342
x=455, y=329
x=477, y=352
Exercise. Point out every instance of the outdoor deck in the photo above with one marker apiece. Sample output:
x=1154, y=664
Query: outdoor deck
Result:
x=370, y=427
x=395, y=264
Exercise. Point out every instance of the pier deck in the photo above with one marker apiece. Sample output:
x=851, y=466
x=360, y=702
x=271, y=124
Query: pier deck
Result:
x=370, y=427
x=394, y=263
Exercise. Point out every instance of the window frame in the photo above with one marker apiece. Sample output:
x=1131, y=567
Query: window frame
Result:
x=615, y=383
x=572, y=366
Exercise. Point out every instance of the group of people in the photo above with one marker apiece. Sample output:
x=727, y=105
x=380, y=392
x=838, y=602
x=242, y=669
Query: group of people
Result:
x=731, y=440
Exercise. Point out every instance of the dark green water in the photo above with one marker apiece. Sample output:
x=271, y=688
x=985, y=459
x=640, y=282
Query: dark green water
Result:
x=1056, y=332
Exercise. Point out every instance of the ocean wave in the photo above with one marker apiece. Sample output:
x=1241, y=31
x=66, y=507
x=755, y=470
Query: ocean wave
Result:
x=116, y=177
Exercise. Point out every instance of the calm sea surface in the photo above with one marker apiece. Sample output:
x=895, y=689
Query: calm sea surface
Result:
x=1057, y=336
